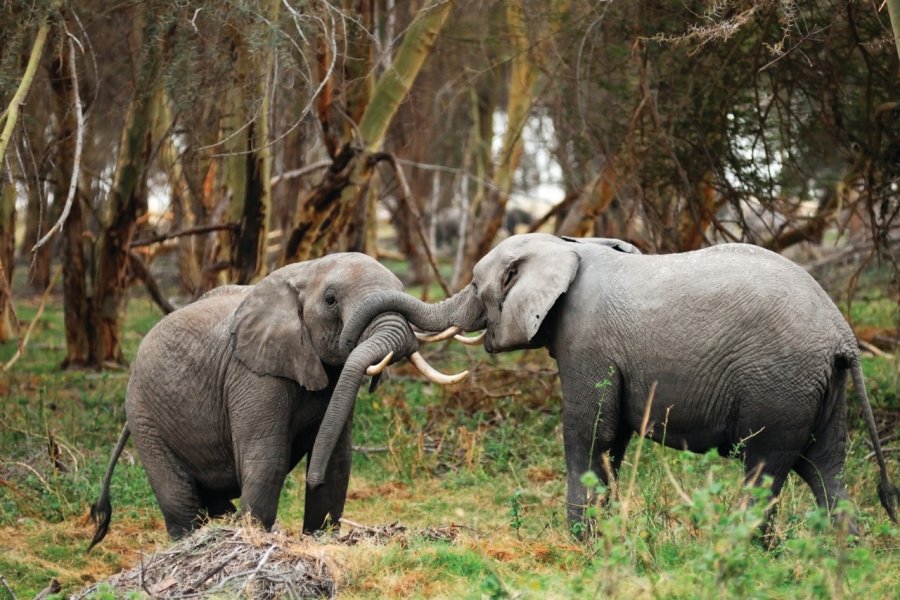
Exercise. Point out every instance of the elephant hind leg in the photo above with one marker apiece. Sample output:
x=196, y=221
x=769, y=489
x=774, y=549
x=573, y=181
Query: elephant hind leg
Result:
x=822, y=463
x=177, y=493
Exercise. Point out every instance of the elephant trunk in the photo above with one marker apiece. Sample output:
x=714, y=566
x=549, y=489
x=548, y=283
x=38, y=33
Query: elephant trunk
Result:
x=461, y=310
x=389, y=333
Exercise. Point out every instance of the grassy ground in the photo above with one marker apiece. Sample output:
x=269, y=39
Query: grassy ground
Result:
x=485, y=456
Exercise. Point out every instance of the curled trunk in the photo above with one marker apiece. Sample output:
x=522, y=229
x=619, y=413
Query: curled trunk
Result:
x=389, y=333
x=461, y=310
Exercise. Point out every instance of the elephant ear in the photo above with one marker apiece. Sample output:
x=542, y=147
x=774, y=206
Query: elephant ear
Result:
x=540, y=274
x=269, y=338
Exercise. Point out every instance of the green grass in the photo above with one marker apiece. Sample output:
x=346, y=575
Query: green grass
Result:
x=486, y=456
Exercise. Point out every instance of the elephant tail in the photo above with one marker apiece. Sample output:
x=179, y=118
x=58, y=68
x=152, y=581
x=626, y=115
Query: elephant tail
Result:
x=101, y=510
x=887, y=492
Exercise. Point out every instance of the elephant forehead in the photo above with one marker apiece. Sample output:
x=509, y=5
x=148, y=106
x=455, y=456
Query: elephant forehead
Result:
x=351, y=267
x=339, y=268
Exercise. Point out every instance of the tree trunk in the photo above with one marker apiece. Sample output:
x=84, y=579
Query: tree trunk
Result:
x=9, y=119
x=322, y=217
x=250, y=171
x=127, y=201
x=182, y=201
x=359, y=78
x=7, y=253
x=594, y=201
x=76, y=296
x=39, y=216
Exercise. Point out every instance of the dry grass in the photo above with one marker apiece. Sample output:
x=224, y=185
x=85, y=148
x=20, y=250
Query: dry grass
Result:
x=231, y=561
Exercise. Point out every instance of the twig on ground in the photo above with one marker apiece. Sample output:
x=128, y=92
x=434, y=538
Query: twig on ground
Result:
x=5, y=584
x=872, y=348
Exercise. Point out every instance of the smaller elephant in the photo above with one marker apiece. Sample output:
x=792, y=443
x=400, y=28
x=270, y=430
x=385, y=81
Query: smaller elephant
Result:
x=746, y=353
x=228, y=394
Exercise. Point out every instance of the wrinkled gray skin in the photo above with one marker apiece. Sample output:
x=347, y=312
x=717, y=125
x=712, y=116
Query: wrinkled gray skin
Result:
x=749, y=355
x=229, y=393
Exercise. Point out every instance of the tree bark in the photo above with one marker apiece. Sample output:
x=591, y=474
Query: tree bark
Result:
x=76, y=296
x=127, y=200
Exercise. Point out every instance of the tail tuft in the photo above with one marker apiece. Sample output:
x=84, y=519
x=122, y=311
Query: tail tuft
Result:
x=889, y=496
x=101, y=511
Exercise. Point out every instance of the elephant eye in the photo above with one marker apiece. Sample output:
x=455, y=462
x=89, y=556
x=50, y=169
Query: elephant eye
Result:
x=330, y=298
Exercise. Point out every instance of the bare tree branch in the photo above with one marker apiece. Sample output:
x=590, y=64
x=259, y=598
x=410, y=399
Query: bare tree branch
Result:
x=189, y=231
x=417, y=216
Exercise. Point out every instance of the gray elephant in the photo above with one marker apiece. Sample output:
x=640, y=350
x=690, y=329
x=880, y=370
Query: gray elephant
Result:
x=227, y=394
x=748, y=354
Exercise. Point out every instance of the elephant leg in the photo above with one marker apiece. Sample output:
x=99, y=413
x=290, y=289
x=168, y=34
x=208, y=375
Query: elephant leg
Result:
x=176, y=491
x=327, y=500
x=264, y=464
x=262, y=448
x=822, y=465
x=590, y=428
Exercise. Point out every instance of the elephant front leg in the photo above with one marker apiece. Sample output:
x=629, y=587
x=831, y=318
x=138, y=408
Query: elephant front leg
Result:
x=590, y=428
x=327, y=500
x=264, y=466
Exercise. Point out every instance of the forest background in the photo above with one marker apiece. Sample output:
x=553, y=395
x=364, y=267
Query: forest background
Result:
x=158, y=149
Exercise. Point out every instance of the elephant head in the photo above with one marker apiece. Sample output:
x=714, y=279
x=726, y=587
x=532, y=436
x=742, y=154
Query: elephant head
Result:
x=513, y=289
x=290, y=325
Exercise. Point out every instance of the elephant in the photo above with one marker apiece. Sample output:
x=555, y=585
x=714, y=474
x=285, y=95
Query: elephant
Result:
x=229, y=393
x=747, y=354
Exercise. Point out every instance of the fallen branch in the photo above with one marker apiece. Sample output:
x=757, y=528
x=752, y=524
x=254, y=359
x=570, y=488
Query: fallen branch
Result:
x=52, y=588
x=883, y=451
x=3, y=581
x=872, y=348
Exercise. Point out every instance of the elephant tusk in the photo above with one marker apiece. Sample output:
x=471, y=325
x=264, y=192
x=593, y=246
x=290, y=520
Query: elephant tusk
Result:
x=433, y=374
x=470, y=341
x=377, y=369
x=436, y=337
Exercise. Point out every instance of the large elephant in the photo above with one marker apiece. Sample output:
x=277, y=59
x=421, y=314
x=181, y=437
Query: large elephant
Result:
x=748, y=354
x=227, y=394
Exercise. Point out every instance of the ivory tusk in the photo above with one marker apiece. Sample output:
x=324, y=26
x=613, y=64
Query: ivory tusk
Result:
x=470, y=341
x=433, y=374
x=376, y=369
x=436, y=337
